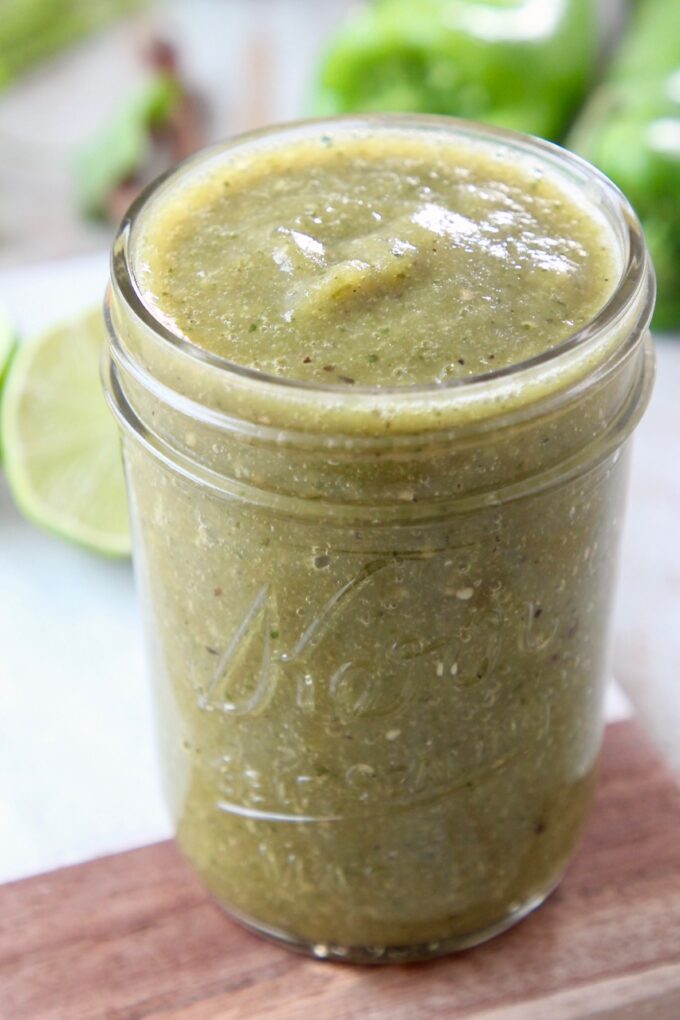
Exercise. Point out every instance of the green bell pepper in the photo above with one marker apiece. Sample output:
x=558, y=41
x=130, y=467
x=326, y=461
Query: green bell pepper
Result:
x=522, y=64
x=631, y=130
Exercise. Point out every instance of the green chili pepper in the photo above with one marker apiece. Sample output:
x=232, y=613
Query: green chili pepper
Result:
x=522, y=64
x=631, y=130
x=31, y=30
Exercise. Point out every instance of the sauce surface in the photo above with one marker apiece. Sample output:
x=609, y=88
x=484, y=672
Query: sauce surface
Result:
x=376, y=261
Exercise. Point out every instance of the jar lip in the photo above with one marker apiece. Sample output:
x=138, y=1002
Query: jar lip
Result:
x=635, y=271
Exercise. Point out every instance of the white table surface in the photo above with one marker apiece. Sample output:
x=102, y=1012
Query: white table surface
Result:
x=78, y=775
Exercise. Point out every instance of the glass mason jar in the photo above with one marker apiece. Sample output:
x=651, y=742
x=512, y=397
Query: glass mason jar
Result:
x=378, y=618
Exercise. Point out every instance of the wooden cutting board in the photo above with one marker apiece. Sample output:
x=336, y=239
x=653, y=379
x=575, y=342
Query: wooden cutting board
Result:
x=134, y=936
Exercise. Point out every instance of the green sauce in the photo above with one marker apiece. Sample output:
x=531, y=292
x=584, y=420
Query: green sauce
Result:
x=379, y=647
x=379, y=261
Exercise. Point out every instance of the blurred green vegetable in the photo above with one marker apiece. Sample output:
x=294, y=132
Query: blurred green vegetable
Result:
x=31, y=30
x=522, y=64
x=631, y=130
x=124, y=144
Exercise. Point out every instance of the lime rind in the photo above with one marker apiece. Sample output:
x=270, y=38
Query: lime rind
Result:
x=8, y=343
x=8, y=346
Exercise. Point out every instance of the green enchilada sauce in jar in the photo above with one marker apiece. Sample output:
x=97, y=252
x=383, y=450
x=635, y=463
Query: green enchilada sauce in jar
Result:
x=376, y=379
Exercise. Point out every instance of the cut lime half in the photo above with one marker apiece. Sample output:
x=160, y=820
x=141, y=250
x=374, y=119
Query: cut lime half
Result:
x=61, y=446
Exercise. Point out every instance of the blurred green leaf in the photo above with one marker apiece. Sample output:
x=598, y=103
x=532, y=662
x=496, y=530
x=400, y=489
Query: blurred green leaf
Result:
x=124, y=144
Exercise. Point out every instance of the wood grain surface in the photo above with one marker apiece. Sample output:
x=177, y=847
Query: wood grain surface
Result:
x=135, y=936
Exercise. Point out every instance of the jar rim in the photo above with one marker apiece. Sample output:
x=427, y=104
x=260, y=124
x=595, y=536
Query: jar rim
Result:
x=634, y=275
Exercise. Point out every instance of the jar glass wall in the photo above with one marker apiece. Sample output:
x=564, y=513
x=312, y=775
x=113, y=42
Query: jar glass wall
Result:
x=378, y=619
